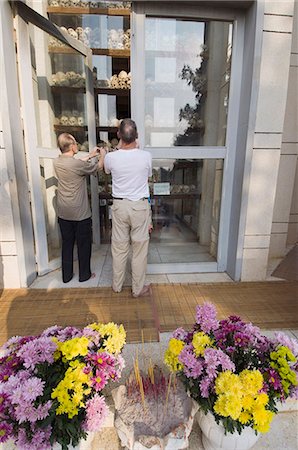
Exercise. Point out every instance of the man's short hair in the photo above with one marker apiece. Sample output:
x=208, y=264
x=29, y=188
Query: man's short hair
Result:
x=128, y=131
x=64, y=141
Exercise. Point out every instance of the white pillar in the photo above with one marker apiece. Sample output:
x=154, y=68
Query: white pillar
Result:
x=270, y=115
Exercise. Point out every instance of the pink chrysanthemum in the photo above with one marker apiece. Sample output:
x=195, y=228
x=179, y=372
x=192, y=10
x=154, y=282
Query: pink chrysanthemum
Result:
x=96, y=413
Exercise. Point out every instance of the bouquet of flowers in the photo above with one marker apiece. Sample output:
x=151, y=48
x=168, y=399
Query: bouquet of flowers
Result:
x=233, y=371
x=50, y=385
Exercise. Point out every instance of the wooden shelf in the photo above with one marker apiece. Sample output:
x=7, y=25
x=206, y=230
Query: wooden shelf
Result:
x=95, y=51
x=110, y=91
x=68, y=128
x=121, y=53
x=177, y=196
x=87, y=10
x=63, y=49
x=97, y=91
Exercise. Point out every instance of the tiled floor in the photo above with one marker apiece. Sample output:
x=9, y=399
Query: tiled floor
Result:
x=270, y=305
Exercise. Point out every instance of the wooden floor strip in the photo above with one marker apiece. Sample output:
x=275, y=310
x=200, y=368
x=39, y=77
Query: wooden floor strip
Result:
x=269, y=305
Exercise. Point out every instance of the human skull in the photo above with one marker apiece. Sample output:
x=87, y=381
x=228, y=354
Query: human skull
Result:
x=71, y=77
x=63, y=81
x=80, y=121
x=72, y=121
x=122, y=75
x=64, y=120
x=72, y=33
x=114, y=82
x=114, y=122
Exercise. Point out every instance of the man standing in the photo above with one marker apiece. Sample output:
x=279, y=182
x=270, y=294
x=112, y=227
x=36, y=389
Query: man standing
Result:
x=73, y=210
x=131, y=213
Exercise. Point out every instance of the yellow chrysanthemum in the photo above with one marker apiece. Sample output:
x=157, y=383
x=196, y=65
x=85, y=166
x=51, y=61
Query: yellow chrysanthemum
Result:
x=261, y=400
x=247, y=402
x=171, y=355
x=262, y=419
x=228, y=405
x=74, y=347
x=228, y=382
x=244, y=417
x=252, y=381
x=114, y=335
x=200, y=341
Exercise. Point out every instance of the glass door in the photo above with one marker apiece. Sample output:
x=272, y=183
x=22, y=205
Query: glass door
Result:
x=56, y=87
x=182, y=102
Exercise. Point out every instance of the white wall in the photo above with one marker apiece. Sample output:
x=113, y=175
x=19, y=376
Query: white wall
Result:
x=268, y=134
x=286, y=206
x=17, y=262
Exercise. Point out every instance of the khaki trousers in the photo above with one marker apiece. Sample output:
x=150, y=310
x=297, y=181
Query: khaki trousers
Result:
x=130, y=224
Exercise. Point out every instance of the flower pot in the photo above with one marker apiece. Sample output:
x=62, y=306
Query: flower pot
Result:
x=83, y=444
x=214, y=437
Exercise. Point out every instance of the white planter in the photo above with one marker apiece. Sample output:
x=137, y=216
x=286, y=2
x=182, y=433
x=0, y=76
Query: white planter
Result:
x=214, y=437
x=83, y=445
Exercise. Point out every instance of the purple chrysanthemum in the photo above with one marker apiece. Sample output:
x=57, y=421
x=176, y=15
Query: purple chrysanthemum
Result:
x=206, y=317
x=216, y=359
x=282, y=339
x=180, y=334
x=37, y=351
x=40, y=439
x=5, y=431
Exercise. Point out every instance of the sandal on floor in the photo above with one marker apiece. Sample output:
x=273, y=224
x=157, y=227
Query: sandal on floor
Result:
x=144, y=292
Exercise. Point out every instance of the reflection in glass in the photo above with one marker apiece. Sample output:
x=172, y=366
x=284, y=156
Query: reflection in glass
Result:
x=187, y=64
x=185, y=199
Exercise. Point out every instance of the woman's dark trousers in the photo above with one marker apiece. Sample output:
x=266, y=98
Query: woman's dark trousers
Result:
x=76, y=231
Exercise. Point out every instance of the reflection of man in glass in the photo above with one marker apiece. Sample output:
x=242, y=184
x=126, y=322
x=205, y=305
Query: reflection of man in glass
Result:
x=131, y=213
x=74, y=215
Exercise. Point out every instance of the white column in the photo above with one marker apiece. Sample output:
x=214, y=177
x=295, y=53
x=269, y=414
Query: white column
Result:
x=270, y=115
x=285, y=217
x=17, y=258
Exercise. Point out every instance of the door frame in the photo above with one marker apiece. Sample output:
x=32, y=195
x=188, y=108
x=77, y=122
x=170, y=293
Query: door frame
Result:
x=226, y=153
x=23, y=16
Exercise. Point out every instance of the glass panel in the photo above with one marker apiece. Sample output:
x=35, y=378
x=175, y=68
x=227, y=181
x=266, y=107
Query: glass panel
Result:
x=59, y=98
x=185, y=199
x=187, y=73
x=59, y=91
x=49, y=185
x=95, y=30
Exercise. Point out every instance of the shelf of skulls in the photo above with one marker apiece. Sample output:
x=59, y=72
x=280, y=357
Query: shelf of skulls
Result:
x=88, y=10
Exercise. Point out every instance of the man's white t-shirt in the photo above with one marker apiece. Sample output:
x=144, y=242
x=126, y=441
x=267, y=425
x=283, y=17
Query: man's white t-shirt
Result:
x=130, y=170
